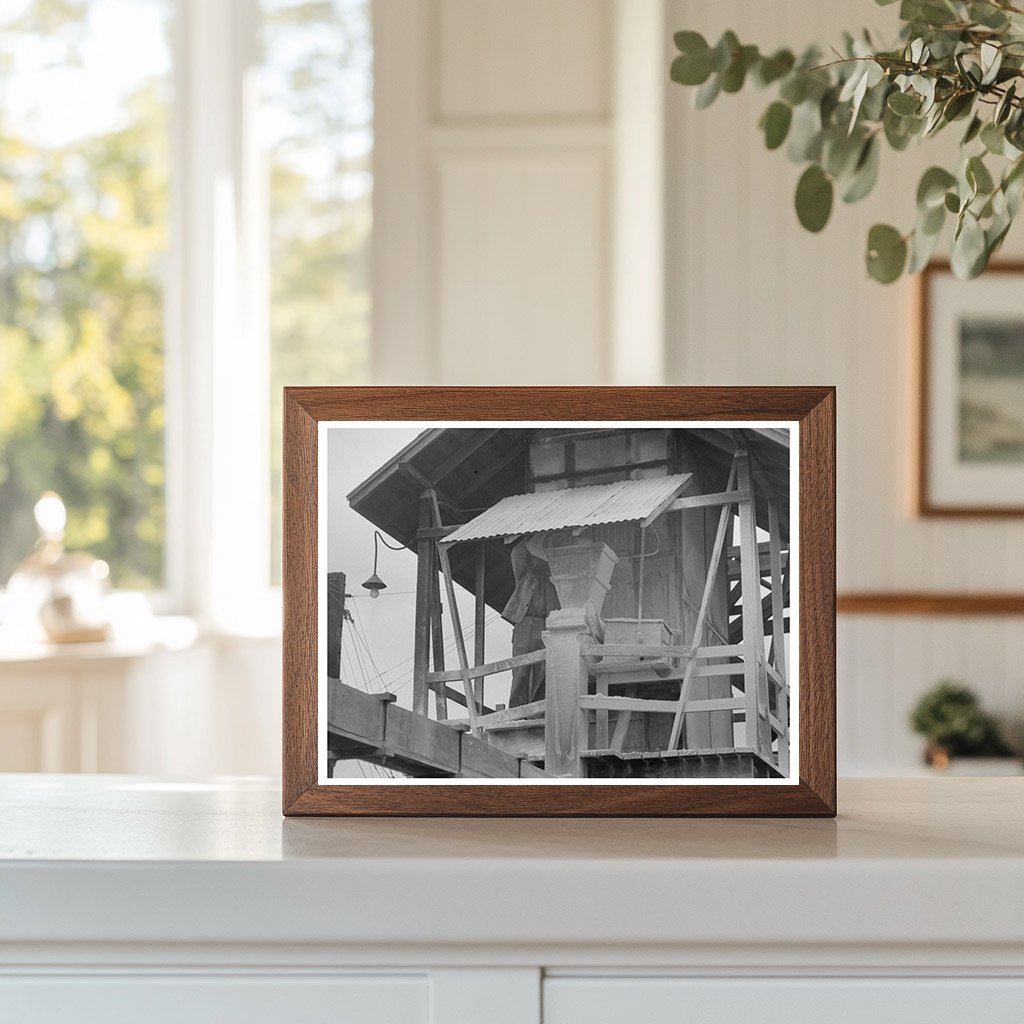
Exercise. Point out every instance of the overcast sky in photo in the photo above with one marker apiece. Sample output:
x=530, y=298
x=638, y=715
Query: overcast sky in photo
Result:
x=386, y=623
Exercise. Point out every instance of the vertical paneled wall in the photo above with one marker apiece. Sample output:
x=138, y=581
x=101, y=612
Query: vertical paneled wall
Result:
x=509, y=135
x=754, y=299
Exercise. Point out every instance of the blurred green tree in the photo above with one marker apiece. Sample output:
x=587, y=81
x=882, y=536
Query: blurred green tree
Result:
x=82, y=233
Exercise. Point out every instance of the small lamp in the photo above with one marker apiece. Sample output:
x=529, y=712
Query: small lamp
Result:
x=375, y=584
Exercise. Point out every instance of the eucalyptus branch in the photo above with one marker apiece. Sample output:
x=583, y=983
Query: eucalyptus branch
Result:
x=955, y=61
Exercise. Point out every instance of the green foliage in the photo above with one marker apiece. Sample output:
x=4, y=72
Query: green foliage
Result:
x=82, y=233
x=949, y=716
x=956, y=60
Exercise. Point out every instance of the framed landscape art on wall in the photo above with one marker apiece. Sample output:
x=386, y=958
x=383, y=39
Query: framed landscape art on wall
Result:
x=559, y=601
x=970, y=450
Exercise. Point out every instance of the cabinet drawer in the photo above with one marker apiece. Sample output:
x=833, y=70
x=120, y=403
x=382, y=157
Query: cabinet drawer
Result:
x=570, y=1000
x=202, y=999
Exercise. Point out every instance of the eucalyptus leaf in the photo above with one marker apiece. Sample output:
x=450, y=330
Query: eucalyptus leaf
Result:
x=805, y=133
x=1005, y=105
x=931, y=190
x=794, y=88
x=968, y=247
x=987, y=15
x=973, y=130
x=932, y=221
x=724, y=51
x=904, y=103
x=978, y=176
x=814, y=195
x=991, y=60
x=840, y=152
x=775, y=124
x=993, y=138
x=922, y=247
x=735, y=74
x=771, y=69
x=865, y=174
x=886, y=253
x=707, y=93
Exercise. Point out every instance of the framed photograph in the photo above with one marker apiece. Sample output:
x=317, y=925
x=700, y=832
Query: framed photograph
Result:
x=970, y=450
x=559, y=601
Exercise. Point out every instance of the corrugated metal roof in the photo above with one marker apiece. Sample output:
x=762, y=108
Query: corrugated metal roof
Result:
x=622, y=501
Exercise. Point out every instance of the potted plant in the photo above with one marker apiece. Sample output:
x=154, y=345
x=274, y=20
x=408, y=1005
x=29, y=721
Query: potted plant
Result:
x=951, y=719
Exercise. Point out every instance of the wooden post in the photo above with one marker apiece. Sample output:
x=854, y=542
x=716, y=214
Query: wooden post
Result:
x=779, y=629
x=437, y=636
x=453, y=609
x=480, y=616
x=565, y=722
x=755, y=676
x=424, y=595
x=335, y=622
x=702, y=614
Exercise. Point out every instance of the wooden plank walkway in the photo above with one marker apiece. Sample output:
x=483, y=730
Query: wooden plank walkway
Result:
x=373, y=728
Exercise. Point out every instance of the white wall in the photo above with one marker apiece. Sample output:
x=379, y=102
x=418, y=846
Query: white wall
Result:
x=754, y=299
x=498, y=190
x=514, y=245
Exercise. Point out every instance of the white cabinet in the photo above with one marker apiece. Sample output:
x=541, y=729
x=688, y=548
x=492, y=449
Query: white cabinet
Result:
x=828, y=1000
x=202, y=999
x=132, y=898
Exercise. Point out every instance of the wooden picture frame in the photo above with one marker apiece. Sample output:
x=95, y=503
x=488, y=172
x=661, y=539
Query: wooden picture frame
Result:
x=737, y=426
x=937, y=478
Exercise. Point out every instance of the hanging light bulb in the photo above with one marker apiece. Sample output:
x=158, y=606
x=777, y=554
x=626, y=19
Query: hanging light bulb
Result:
x=374, y=585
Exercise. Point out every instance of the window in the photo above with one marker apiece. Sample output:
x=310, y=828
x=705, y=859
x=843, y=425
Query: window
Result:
x=83, y=235
x=317, y=116
x=237, y=212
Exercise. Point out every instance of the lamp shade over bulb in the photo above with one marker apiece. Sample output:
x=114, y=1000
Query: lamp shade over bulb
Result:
x=374, y=585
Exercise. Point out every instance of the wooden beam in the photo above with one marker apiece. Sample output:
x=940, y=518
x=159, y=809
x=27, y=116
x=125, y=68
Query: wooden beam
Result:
x=464, y=451
x=335, y=622
x=479, y=617
x=373, y=728
x=437, y=635
x=641, y=651
x=476, y=671
x=660, y=707
x=446, y=692
x=755, y=677
x=761, y=479
x=453, y=608
x=496, y=467
x=516, y=714
x=409, y=470
x=778, y=629
x=727, y=497
x=435, y=532
x=702, y=613
x=948, y=603
x=421, y=625
x=647, y=678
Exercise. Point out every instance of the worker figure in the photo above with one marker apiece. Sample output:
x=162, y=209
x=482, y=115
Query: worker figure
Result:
x=527, y=609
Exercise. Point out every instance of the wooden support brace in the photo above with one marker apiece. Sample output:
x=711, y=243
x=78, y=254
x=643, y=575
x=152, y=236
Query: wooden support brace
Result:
x=453, y=608
x=479, y=617
x=424, y=594
x=705, y=602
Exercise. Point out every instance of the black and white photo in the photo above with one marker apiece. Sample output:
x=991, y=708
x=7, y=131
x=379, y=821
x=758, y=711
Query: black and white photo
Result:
x=531, y=602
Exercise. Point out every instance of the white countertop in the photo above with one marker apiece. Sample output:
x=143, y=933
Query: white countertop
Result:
x=119, y=859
